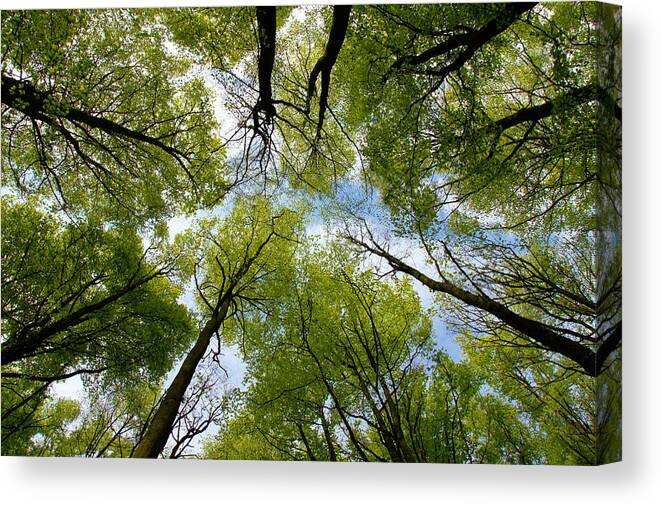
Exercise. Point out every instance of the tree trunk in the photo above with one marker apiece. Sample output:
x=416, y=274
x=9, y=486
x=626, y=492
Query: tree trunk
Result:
x=161, y=425
x=266, y=25
x=332, y=455
x=324, y=65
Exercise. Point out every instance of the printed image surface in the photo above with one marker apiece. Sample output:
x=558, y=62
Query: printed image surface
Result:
x=385, y=233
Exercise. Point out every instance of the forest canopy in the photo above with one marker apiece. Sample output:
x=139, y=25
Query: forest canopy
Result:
x=326, y=233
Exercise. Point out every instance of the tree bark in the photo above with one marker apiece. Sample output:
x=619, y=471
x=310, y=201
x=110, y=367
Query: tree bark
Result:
x=159, y=429
x=306, y=443
x=607, y=345
x=324, y=65
x=332, y=455
x=470, y=42
x=266, y=26
x=565, y=101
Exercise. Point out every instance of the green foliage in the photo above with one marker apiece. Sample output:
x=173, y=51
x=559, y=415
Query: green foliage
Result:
x=127, y=308
x=558, y=402
x=350, y=353
x=81, y=298
x=112, y=65
x=432, y=141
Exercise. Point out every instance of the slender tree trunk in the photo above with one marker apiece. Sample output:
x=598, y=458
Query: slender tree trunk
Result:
x=397, y=430
x=332, y=456
x=306, y=443
x=385, y=433
x=161, y=425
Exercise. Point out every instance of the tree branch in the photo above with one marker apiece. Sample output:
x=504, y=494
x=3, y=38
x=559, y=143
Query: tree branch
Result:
x=534, y=330
x=562, y=102
x=23, y=345
x=24, y=97
x=324, y=65
x=470, y=42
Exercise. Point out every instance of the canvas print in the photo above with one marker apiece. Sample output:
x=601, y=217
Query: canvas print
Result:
x=381, y=233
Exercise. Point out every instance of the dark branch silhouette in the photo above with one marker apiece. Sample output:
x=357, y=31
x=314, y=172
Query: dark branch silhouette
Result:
x=24, y=97
x=266, y=26
x=324, y=65
x=27, y=342
x=562, y=102
x=467, y=43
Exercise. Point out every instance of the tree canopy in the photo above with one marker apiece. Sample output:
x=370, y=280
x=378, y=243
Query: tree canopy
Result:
x=326, y=233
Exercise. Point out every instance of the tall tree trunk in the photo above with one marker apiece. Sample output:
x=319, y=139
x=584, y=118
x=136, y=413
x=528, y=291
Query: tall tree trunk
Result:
x=306, y=443
x=266, y=26
x=324, y=65
x=397, y=431
x=332, y=455
x=161, y=425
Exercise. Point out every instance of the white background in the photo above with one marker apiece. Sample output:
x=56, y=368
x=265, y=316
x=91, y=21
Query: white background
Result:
x=636, y=480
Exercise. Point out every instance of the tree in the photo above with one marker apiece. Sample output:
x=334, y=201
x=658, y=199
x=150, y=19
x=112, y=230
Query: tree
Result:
x=67, y=286
x=518, y=274
x=355, y=378
x=242, y=252
x=559, y=401
x=95, y=118
x=107, y=424
x=82, y=301
x=203, y=405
